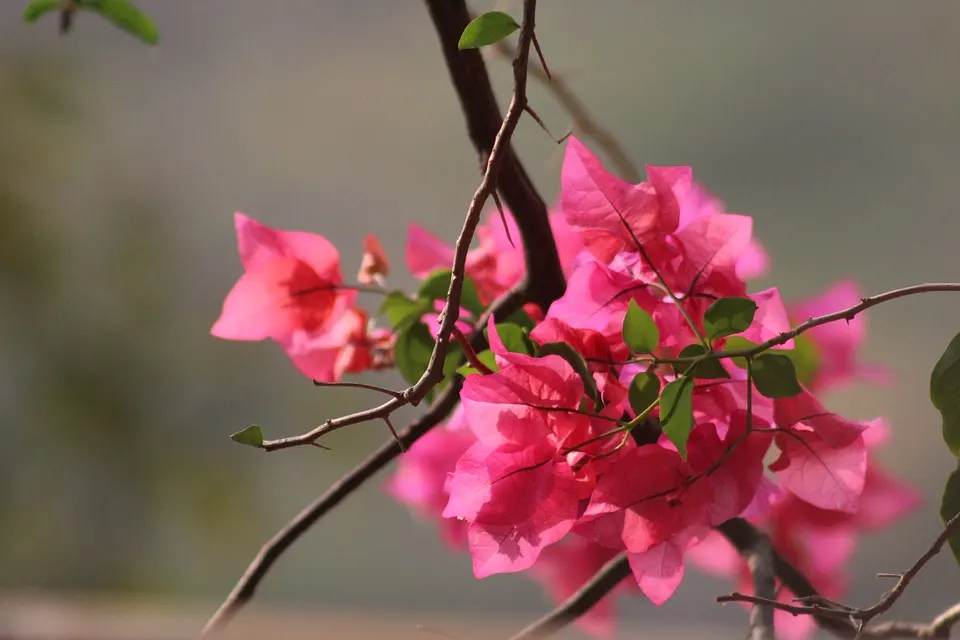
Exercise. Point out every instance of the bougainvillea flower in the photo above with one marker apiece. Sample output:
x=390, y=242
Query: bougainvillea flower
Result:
x=374, y=265
x=421, y=477
x=834, y=345
x=290, y=283
x=611, y=214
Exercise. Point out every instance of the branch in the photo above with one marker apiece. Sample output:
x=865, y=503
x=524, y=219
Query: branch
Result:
x=468, y=73
x=605, y=580
x=842, y=620
x=291, y=532
x=543, y=263
x=844, y=314
x=760, y=561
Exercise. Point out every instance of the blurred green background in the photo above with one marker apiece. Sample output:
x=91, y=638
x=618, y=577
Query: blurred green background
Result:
x=833, y=124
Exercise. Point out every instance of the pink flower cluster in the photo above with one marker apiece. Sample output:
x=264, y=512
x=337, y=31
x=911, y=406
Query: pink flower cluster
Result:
x=547, y=466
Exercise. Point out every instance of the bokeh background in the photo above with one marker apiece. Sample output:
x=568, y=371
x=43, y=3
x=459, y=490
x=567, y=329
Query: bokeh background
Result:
x=834, y=124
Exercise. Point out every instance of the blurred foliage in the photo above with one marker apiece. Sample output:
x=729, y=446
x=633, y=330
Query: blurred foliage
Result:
x=91, y=474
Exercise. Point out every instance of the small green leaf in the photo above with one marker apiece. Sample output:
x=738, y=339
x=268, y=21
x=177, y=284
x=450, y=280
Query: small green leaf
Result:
x=775, y=376
x=644, y=390
x=252, y=436
x=36, y=9
x=401, y=310
x=486, y=29
x=709, y=369
x=451, y=362
x=806, y=358
x=728, y=316
x=126, y=16
x=412, y=352
x=576, y=361
x=437, y=284
x=676, y=413
x=945, y=393
x=640, y=332
x=950, y=506
x=486, y=357
x=514, y=338
x=521, y=318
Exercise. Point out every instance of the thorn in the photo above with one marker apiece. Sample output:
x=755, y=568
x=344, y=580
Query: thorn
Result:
x=895, y=576
x=503, y=217
x=543, y=126
x=543, y=62
x=393, y=432
x=320, y=446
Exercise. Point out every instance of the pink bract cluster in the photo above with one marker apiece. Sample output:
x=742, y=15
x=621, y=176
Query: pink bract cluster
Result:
x=546, y=466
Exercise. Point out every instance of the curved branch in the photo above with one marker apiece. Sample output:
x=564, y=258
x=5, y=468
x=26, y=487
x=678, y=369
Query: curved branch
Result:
x=602, y=583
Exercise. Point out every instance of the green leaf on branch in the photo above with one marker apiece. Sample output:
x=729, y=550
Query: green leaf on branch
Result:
x=514, y=337
x=640, y=332
x=486, y=357
x=412, y=352
x=486, y=29
x=644, y=391
x=945, y=393
x=950, y=506
x=402, y=310
x=676, y=413
x=126, y=16
x=709, y=369
x=36, y=9
x=728, y=316
x=576, y=361
x=437, y=284
x=805, y=355
x=775, y=376
x=252, y=436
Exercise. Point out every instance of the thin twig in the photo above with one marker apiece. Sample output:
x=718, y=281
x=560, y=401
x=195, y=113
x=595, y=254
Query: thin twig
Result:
x=602, y=583
x=359, y=385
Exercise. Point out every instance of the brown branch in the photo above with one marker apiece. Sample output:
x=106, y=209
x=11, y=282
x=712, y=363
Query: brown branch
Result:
x=583, y=123
x=291, y=532
x=468, y=73
x=602, y=583
x=502, y=171
x=843, y=621
x=760, y=561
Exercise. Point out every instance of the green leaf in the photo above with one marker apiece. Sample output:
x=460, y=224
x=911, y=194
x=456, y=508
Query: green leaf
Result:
x=437, y=284
x=486, y=357
x=950, y=506
x=38, y=8
x=945, y=393
x=775, y=376
x=126, y=16
x=640, y=332
x=806, y=358
x=413, y=350
x=514, y=337
x=709, y=369
x=676, y=413
x=644, y=390
x=728, y=316
x=576, y=361
x=521, y=318
x=252, y=436
x=486, y=29
x=402, y=310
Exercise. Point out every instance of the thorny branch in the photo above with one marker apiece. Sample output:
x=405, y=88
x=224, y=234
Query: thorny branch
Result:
x=542, y=262
x=544, y=281
x=850, y=621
